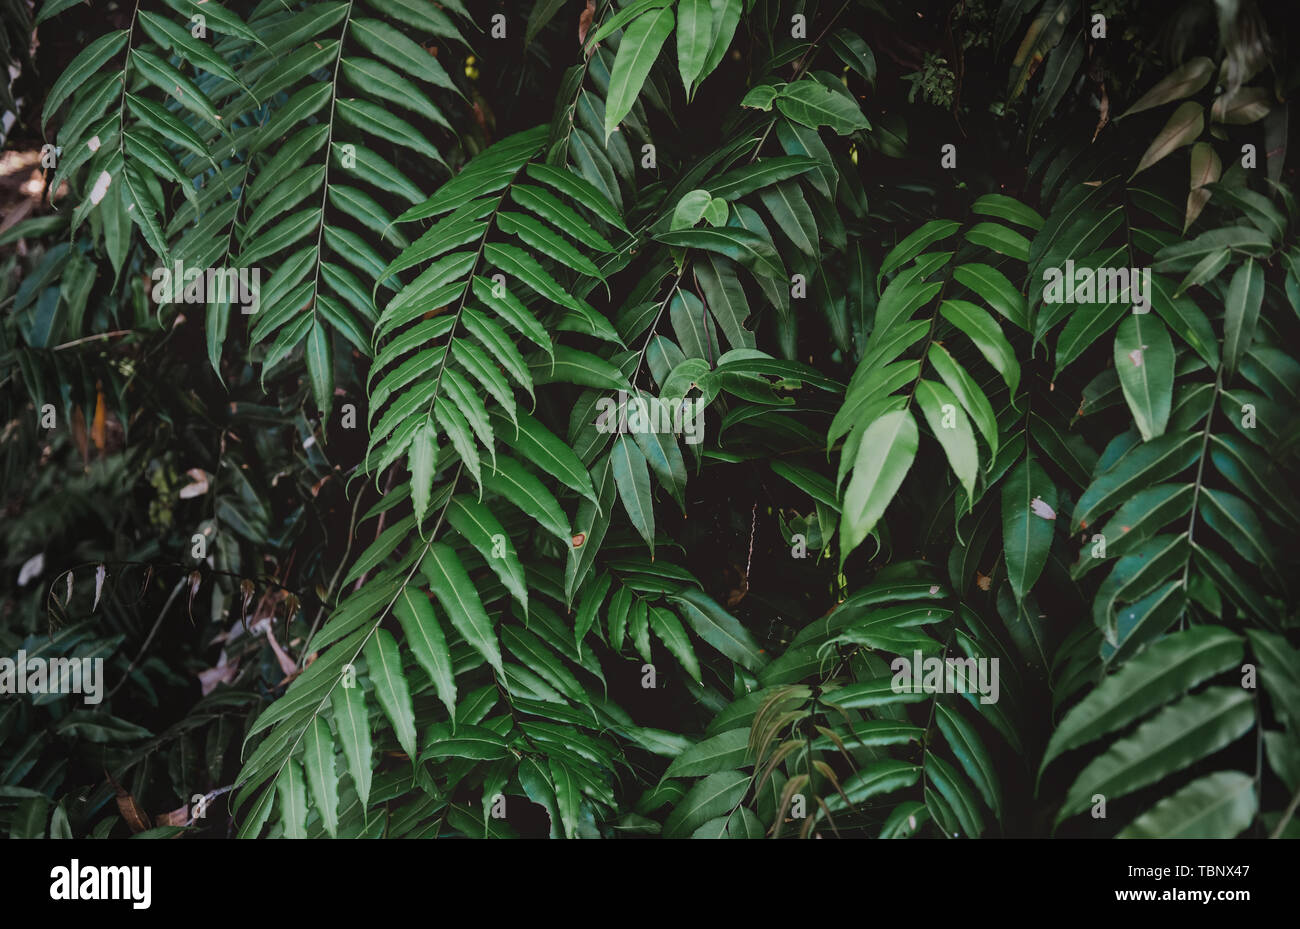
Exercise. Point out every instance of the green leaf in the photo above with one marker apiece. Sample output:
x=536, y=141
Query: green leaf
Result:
x=1241, y=312
x=811, y=103
x=518, y=263
x=386, y=84
x=318, y=759
x=637, y=52
x=622, y=18
x=966, y=390
x=1007, y=208
x=353, y=725
x=690, y=209
x=999, y=238
x=1147, y=464
x=460, y=601
x=760, y=98
x=936, y=230
x=855, y=53
x=293, y=801
x=719, y=628
x=1162, y=671
x=1220, y=806
x=422, y=14
x=993, y=286
x=724, y=752
x=1028, y=522
x=535, y=233
x=638, y=627
x=385, y=664
x=632, y=475
x=1279, y=673
x=953, y=430
x=30, y=818
x=740, y=245
x=376, y=120
x=392, y=46
x=616, y=616
x=669, y=630
x=466, y=741
x=581, y=191
x=181, y=89
x=320, y=367
x=1144, y=359
x=880, y=462
x=170, y=35
x=1175, y=738
x=226, y=23
x=878, y=777
x=53, y=8
x=971, y=754
x=952, y=787
x=748, y=178
x=543, y=12
x=567, y=797
x=694, y=36
x=525, y=491
x=89, y=60
x=589, y=608
x=423, y=454
x=792, y=215
x=424, y=636
x=984, y=331
x=713, y=796
x=726, y=16
x=539, y=445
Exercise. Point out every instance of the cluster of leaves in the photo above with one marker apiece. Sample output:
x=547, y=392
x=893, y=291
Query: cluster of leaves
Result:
x=1093, y=498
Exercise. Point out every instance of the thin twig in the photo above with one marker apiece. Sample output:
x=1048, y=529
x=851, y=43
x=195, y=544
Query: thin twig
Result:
x=90, y=338
x=208, y=798
x=749, y=559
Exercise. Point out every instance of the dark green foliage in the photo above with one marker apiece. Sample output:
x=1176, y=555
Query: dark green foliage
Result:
x=488, y=613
